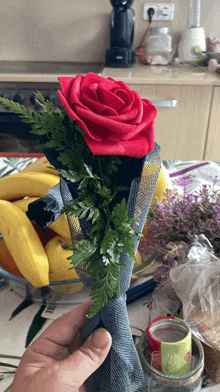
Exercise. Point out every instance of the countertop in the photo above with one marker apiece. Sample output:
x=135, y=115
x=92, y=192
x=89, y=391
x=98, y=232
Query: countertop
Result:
x=43, y=71
x=139, y=74
x=160, y=74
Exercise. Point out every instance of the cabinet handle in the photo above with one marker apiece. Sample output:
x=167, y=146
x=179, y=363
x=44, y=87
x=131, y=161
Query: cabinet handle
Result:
x=165, y=104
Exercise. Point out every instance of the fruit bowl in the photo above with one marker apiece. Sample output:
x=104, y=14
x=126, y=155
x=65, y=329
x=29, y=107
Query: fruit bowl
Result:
x=61, y=292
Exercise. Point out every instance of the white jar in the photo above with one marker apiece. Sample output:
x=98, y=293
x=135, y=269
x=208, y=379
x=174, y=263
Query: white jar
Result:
x=159, y=45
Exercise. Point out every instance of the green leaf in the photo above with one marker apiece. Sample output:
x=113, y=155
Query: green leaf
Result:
x=82, y=250
x=89, y=170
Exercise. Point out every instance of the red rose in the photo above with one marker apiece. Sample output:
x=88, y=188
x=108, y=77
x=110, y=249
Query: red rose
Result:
x=115, y=119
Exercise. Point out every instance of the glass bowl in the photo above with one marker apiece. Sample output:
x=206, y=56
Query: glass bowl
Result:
x=60, y=292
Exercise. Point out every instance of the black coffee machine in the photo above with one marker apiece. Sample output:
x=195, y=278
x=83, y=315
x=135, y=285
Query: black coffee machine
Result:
x=120, y=55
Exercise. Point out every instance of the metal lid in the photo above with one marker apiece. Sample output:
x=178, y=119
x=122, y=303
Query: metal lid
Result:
x=159, y=30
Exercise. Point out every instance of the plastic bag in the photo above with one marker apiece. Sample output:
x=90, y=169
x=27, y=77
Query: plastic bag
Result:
x=197, y=284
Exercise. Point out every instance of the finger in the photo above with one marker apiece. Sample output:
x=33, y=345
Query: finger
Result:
x=63, y=330
x=76, y=343
x=74, y=370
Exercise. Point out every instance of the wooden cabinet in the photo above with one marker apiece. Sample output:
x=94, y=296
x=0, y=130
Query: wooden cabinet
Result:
x=212, y=148
x=181, y=131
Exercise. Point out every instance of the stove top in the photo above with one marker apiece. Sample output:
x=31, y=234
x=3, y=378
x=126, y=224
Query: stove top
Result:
x=47, y=68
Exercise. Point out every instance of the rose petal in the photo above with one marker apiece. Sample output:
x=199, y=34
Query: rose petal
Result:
x=71, y=89
x=118, y=128
x=137, y=148
x=130, y=97
x=90, y=84
x=121, y=94
x=65, y=83
x=139, y=105
x=108, y=84
x=74, y=116
x=149, y=114
x=128, y=116
x=150, y=135
x=109, y=99
x=97, y=107
x=90, y=79
x=92, y=92
x=97, y=130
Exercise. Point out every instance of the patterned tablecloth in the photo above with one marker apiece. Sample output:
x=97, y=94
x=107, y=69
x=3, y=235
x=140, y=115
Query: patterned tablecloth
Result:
x=185, y=176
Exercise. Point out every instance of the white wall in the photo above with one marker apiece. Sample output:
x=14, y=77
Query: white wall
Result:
x=66, y=30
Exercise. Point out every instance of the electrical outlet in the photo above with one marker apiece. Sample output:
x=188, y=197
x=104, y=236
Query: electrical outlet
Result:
x=162, y=11
x=146, y=8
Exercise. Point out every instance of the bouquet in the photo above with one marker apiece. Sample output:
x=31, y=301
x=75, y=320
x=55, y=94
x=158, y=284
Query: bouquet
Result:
x=174, y=224
x=100, y=141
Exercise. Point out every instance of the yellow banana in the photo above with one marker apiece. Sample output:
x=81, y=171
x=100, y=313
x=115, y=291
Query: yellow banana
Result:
x=24, y=244
x=41, y=166
x=23, y=203
x=60, y=225
x=31, y=184
x=59, y=266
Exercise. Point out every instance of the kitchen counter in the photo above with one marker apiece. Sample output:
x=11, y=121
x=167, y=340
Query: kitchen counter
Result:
x=160, y=74
x=47, y=72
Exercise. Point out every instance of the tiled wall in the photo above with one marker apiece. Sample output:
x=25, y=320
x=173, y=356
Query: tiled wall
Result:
x=73, y=30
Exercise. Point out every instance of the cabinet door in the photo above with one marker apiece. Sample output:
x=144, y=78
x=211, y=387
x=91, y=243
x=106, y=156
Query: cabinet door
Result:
x=212, y=151
x=181, y=131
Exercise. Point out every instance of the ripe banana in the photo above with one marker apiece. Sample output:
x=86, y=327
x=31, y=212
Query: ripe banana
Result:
x=24, y=244
x=31, y=184
x=23, y=203
x=59, y=266
x=40, y=166
x=60, y=225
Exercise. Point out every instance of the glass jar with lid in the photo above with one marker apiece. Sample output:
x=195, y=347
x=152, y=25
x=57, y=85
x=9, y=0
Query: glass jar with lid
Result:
x=156, y=381
x=159, y=45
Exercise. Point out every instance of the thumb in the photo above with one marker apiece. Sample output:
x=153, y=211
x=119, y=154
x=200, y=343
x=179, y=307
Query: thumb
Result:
x=77, y=367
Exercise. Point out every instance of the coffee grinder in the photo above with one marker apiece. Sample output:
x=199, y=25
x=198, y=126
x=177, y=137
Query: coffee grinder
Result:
x=120, y=55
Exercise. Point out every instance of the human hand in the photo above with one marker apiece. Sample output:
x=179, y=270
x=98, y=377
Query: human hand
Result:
x=56, y=361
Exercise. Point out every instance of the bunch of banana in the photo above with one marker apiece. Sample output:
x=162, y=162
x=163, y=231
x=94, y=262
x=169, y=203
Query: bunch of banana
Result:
x=37, y=263
x=25, y=250
x=23, y=242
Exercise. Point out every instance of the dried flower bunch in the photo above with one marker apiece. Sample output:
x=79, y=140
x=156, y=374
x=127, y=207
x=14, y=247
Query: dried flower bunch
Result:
x=175, y=221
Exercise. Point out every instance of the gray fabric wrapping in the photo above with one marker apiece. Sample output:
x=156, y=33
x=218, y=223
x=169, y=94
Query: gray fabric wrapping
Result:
x=122, y=370
x=54, y=194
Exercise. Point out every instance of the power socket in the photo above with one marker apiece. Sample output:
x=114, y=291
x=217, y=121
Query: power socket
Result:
x=162, y=11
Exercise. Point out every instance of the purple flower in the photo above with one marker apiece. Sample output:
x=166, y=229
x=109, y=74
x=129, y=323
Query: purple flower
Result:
x=174, y=223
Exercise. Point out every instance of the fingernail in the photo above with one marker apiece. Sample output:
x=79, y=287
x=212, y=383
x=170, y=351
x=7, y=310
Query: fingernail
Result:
x=100, y=338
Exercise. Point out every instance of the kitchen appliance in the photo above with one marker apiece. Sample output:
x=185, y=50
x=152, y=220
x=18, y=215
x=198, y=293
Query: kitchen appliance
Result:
x=121, y=55
x=193, y=41
x=18, y=81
